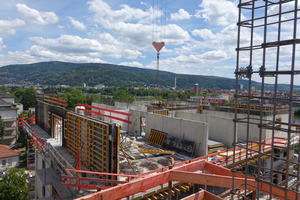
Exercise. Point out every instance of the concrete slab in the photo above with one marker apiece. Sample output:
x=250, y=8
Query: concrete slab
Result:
x=39, y=132
x=47, y=176
x=63, y=191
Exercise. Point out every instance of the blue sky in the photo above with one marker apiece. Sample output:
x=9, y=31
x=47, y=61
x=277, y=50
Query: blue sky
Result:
x=200, y=36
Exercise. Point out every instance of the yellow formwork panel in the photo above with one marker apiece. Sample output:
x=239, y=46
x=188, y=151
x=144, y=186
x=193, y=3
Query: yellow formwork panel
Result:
x=89, y=135
x=156, y=137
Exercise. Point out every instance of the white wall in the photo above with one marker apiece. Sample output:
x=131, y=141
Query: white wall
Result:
x=8, y=114
x=221, y=128
x=221, y=125
x=15, y=162
x=136, y=105
x=194, y=130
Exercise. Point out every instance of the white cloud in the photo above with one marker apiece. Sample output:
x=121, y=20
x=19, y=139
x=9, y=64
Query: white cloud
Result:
x=131, y=54
x=132, y=64
x=60, y=27
x=2, y=46
x=39, y=55
x=10, y=27
x=78, y=25
x=35, y=16
x=109, y=38
x=103, y=10
x=75, y=45
x=180, y=15
x=127, y=24
x=220, y=12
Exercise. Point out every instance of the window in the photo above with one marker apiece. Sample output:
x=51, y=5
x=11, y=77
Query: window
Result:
x=3, y=163
x=44, y=192
x=9, y=162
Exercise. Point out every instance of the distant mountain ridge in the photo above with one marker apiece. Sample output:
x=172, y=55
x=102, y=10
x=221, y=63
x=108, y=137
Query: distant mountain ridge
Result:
x=74, y=74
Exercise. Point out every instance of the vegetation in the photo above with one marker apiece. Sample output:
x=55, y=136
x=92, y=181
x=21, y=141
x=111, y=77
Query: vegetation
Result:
x=22, y=135
x=2, y=129
x=28, y=99
x=53, y=73
x=23, y=159
x=74, y=74
x=13, y=185
x=297, y=112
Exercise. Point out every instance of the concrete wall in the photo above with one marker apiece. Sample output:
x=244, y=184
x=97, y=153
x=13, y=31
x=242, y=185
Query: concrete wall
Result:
x=221, y=125
x=136, y=105
x=221, y=128
x=39, y=158
x=15, y=162
x=194, y=130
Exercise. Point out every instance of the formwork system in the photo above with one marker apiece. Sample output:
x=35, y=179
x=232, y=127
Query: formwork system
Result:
x=98, y=141
x=267, y=40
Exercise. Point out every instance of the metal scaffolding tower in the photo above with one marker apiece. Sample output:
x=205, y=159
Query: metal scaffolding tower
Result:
x=266, y=52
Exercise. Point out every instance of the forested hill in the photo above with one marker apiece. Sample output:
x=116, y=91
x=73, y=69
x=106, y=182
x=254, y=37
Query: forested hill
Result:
x=74, y=74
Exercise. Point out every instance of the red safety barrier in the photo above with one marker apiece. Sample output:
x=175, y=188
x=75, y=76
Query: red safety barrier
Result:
x=38, y=138
x=57, y=99
x=55, y=102
x=100, y=114
x=35, y=140
x=28, y=123
x=26, y=120
x=99, y=108
x=26, y=117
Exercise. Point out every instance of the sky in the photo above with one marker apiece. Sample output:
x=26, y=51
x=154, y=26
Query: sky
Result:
x=200, y=36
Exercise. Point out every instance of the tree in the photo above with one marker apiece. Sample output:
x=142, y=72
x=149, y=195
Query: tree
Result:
x=28, y=99
x=172, y=96
x=74, y=97
x=2, y=129
x=13, y=185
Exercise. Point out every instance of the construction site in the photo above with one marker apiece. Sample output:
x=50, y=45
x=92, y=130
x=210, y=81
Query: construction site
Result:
x=183, y=150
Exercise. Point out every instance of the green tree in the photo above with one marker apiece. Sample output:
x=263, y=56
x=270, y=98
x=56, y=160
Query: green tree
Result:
x=5, y=89
x=2, y=129
x=28, y=99
x=122, y=95
x=13, y=185
x=74, y=97
x=172, y=96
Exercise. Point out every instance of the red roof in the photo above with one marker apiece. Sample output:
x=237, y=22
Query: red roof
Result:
x=7, y=152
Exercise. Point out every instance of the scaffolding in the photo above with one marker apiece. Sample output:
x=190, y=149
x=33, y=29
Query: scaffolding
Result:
x=270, y=51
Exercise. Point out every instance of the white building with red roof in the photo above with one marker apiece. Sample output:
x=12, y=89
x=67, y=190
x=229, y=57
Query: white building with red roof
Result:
x=9, y=158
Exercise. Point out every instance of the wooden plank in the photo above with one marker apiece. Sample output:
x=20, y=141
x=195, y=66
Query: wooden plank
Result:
x=197, y=196
x=213, y=150
x=209, y=179
x=210, y=196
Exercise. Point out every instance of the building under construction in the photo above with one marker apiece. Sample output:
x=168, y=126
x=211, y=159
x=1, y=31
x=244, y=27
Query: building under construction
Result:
x=182, y=152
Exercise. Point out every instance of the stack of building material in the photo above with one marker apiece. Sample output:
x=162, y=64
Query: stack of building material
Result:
x=214, y=146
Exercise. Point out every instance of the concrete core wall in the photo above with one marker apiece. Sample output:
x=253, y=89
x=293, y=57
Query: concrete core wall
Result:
x=221, y=125
x=193, y=130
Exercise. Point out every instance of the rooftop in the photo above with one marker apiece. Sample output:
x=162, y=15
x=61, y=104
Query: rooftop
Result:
x=7, y=152
x=5, y=94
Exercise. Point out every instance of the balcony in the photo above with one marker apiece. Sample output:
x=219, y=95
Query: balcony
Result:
x=12, y=119
x=9, y=136
x=9, y=128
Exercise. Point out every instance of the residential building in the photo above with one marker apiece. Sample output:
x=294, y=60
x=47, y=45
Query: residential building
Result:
x=9, y=158
x=9, y=113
